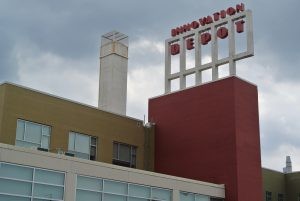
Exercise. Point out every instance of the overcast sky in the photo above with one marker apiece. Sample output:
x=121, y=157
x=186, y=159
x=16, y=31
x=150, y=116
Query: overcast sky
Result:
x=53, y=46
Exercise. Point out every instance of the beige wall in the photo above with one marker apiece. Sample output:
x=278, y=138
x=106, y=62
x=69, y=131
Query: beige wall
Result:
x=293, y=186
x=1, y=106
x=274, y=182
x=64, y=116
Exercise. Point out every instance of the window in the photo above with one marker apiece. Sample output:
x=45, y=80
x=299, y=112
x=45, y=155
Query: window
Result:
x=82, y=146
x=30, y=134
x=280, y=197
x=124, y=155
x=268, y=196
x=185, y=196
x=22, y=183
x=90, y=189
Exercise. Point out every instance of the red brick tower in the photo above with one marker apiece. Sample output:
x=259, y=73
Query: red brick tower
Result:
x=211, y=133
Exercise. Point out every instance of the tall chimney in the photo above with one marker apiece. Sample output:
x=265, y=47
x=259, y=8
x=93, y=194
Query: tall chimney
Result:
x=113, y=72
x=288, y=168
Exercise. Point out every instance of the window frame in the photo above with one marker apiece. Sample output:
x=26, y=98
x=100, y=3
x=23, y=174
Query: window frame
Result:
x=268, y=195
x=90, y=145
x=33, y=182
x=102, y=192
x=133, y=152
x=280, y=197
x=42, y=134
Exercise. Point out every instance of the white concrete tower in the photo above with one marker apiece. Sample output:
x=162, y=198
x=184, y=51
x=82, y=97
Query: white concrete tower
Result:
x=288, y=165
x=113, y=72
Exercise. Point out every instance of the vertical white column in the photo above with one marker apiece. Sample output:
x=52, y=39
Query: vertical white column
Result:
x=176, y=195
x=197, y=60
x=250, y=45
x=182, y=63
x=167, y=67
x=232, y=66
x=70, y=186
x=214, y=53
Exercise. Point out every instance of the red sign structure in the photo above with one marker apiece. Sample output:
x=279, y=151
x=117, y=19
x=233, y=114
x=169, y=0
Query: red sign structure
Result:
x=208, y=30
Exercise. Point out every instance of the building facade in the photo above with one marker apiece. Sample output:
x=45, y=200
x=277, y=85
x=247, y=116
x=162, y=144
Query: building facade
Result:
x=40, y=132
x=53, y=149
x=27, y=175
x=29, y=118
x=279, y=186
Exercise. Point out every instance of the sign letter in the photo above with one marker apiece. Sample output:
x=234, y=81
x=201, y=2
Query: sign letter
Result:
x=175, y=49
x=222, y=32
x=205, y=38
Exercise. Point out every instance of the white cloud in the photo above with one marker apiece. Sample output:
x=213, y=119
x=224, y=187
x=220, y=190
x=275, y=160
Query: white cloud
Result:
x=143, y=83
x=60, y=76
x=276, y=160
x=278, y=109
x=147, y=46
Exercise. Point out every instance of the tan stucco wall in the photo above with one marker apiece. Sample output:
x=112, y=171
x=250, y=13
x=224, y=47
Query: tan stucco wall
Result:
x=293, y=186
x=274, y=182
x=64, y=116
x=1, y=106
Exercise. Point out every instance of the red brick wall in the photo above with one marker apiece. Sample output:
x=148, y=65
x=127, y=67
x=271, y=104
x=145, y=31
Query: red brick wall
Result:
x=211, y=133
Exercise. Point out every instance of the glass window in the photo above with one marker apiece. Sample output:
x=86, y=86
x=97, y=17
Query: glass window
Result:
x=17, y=184
x=82, y=195
x=30, y=134
x=202, y=198
x=82, y=146
x=137, y=199
x=91, y=189
x=13, y=198
x=112, y=197
x=115, y=187
x=89, y=183
x=139, y=191
x=161, y=194
x=45, y=176
x=186, y=196
x=15, y=187
x=124, y=154
x=280, y=197
x=48, y=191
x=16, y=172
x=268, y=196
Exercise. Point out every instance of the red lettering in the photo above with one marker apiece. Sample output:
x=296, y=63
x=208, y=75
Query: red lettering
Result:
x=186, y=27
x=175, y=49
x=178, y=30
x=205, y=38
x=230, y=11
x=223, y=14
x=216, y=16
x=240, y=26
x=210, y=19
x=195, y=24
x=240, y=8
x=206, y=20
x=173, y=32
x=222, y=32
x=190, y=43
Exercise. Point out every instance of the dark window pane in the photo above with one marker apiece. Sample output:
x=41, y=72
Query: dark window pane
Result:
x=93, y=153
x=115, y=151
x=93, y=141
x=124, y=152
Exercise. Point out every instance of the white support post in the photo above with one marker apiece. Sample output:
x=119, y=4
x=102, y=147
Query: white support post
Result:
x=214, y=53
